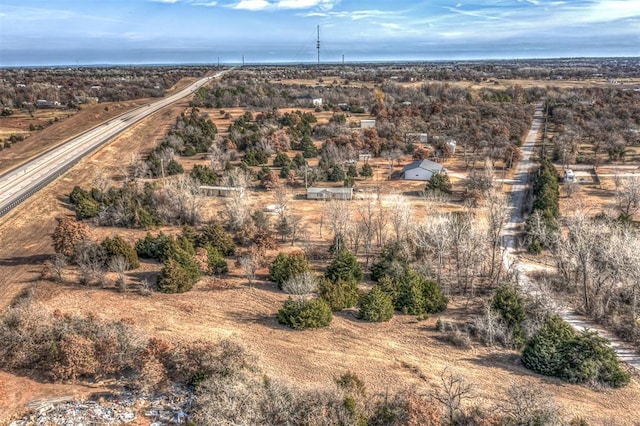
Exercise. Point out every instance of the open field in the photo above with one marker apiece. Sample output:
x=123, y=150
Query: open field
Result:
x=388, y=356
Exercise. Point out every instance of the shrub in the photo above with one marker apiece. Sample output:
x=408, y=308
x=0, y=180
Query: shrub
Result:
x=314, y=313
x=376, y=306
x=215, y=262
x=556, y=350
x=439, y=182
x=68, y=234
x=390, y=262
x=344, y=267
x=218, y=238
x=151, y=247
x=118, y=246
x=286, y=266
x=341, y=294
x=415, y=296
x=509, y=305
x=204, y=175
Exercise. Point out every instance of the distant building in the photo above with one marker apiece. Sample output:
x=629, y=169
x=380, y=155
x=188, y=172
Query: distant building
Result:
x=364, y=157
x=314, y=193
x=317, y=102
x=367, y=124
x=221, y=191
x=421, y=170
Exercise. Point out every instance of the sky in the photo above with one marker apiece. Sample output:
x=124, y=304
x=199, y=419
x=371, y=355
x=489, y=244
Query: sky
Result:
x=86, y=32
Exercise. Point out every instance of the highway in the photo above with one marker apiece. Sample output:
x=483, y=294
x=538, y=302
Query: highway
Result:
x=20, y=183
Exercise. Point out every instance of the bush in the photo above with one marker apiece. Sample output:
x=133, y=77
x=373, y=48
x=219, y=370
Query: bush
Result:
x=344, y=267
x=390, y=262
x=509, y=305
x=556, y=350
x=414, y=295
x=376, y=306
x=118, y=246
x=314, y=313
x=217, y=237
x=439, y=182
x=340, y=295
x=151, y=247
x=215, y=262
x=286, y=266
x=204, y=175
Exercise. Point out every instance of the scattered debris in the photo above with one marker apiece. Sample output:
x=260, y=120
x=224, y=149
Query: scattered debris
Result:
x=167, y=408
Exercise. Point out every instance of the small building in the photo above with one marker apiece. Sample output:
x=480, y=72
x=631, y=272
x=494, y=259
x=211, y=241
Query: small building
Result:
x=367, y=124
x=364, y=157
x=317, y=102
x=421, y=170
x=315, y=193
x=221, y=191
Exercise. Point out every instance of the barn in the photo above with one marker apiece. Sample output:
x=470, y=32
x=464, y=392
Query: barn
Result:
x=421, y=170
x=314, y=193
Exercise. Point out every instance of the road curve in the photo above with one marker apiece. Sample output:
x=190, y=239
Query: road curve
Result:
x=23, y=181
x=511, y=259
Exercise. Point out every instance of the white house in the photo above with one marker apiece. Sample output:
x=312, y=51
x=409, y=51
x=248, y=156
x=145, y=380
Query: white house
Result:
x=314, y=193
x=367, y=124
x=421, y=170
x=317, y=102
x=221, y=191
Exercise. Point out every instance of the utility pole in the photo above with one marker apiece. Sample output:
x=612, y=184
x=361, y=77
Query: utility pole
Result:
x=218, y=61
x=243, y=59
x=318, y=45
x=342, y=59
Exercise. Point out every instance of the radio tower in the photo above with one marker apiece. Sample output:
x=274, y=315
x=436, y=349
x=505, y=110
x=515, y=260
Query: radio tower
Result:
x=318, y=45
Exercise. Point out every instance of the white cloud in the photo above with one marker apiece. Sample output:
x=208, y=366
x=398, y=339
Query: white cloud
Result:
x=252, y=5
x=210, y=3
x=165, y=1
x=307, y=4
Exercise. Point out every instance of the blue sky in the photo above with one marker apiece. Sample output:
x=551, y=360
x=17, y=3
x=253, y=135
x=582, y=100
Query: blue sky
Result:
x=52, y=32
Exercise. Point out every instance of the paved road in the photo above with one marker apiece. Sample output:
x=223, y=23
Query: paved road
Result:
x=23, y=181
x=510, y=257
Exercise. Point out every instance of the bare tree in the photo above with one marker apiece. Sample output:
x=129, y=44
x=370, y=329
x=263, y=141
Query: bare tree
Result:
x=218, y=157
x=236, y=208
x=300, y=285
x=453, y=391
x=496, y=210
x=400, y=216
x=179, y=200
x=338, y=214
x=58, y=264
x=628, y=195
x=433, y=236
x=119, y=265
x=249, y=264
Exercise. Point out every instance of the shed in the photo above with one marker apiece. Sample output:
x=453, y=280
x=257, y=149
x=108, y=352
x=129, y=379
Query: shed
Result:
x=421, y=170
x=317, y=102
x=315, y=193
x=367, y=124
x=221, y=191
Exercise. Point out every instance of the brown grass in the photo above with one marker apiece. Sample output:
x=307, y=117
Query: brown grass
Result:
x=387, y=356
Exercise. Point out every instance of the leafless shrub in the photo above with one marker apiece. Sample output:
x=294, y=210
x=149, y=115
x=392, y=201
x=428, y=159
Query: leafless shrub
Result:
x=452, y=333
x=528, y=405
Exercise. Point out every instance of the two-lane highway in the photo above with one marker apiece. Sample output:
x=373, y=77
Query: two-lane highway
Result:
x=23, y=181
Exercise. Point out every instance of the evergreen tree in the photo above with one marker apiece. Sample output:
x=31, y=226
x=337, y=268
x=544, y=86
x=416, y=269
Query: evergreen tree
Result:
x=376, y=306
x=344, y=267
x=341, y=294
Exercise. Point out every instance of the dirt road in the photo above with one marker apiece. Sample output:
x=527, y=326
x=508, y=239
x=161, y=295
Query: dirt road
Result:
x=511, y=259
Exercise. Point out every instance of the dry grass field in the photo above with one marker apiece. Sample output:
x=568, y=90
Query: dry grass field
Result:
x=388, y=356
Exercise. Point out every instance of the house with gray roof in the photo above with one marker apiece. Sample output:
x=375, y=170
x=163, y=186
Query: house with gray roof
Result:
x=421, y=170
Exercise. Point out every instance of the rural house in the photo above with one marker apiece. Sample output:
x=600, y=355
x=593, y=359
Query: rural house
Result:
x=345, y=193
x=421, y=170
